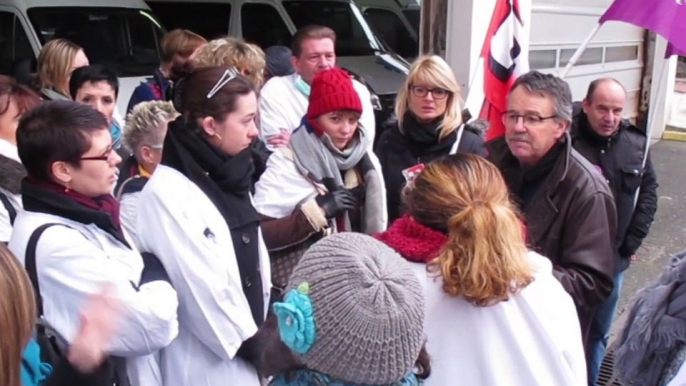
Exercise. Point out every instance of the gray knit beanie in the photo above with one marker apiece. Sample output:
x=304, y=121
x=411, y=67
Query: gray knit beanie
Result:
x=278, y=60
x=362, y=309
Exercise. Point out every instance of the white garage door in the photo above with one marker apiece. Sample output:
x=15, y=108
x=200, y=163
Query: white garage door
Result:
x=559, y=27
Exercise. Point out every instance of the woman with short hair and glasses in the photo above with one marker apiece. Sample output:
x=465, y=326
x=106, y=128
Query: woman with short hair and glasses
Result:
x=70, y=231
x=196, y=214
x=429, y=112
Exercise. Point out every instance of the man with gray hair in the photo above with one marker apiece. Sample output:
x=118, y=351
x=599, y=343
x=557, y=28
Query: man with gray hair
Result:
x=146, y=126
x=568, y=207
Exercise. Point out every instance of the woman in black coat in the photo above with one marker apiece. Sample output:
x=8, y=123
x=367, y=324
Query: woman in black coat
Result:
x=429, y=126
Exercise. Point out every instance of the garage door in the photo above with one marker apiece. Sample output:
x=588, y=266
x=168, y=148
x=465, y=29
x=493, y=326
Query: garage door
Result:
x=559, y=28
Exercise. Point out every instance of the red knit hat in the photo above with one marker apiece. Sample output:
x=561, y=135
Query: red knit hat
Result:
x=332, y=90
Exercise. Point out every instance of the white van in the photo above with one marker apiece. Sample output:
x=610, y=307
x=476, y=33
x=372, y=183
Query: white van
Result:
x=396, y=22
x=273, y=22
x=121, y=34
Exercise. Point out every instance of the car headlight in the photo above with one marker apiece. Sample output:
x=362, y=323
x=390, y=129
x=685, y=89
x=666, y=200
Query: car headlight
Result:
x=376, y=102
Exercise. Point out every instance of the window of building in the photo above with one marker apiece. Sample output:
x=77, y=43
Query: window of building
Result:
x=621, y=54
x=209, y=20
x=540, y=59
x=592, y=55
x=263, y=25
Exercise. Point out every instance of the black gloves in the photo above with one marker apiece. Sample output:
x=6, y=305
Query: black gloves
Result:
x=336, y=202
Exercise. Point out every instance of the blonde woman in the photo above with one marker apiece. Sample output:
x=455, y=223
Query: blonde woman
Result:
x=495, y=314
x=429, y=112
x=248, y=58
x=57, y=60
x=20, y=363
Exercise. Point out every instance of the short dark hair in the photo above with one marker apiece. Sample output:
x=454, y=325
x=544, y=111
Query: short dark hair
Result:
x=92, y=74
x=550, y=86
x=56, y=131
x=310, y=32
x=594, y=85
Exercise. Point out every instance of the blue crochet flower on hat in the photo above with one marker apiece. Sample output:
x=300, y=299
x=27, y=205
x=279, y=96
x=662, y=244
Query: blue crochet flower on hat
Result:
x=296, y=319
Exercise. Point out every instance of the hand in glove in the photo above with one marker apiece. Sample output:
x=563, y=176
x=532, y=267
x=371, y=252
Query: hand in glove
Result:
x=336, y=202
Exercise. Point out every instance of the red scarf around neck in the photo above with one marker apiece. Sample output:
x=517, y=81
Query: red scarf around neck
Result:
x=414, y=241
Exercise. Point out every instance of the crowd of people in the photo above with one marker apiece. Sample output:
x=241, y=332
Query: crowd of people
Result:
x=238, y=225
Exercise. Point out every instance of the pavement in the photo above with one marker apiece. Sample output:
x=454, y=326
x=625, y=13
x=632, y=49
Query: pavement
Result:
x=668, y=233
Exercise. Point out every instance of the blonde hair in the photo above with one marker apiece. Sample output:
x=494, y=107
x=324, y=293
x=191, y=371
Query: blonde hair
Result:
x=54, y=64
x=248, y=58
x=17, y=315
x=432, y=71
x=465, y=196
x=146, y=124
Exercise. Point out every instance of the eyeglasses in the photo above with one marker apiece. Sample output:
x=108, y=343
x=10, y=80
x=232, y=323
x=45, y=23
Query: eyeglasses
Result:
x=437, y=93
x=229, y=74
x=104, y=157
x=530, y=120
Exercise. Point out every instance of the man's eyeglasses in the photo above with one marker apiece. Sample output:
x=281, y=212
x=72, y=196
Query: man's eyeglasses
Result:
x=530, y=120
x=229, y=74
x=437, y=93
x=104, y=157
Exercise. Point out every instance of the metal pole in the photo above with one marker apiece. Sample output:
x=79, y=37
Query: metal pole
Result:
x=651, y=117
x=580, y=51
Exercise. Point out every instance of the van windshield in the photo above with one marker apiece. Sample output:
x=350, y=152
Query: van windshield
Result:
x=124, y=39
x=353, y=35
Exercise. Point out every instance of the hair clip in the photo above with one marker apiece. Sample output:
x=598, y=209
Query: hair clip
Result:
x=229, y=74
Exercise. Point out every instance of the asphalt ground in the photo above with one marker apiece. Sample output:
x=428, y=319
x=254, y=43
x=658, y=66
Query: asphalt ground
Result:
x=668, y=233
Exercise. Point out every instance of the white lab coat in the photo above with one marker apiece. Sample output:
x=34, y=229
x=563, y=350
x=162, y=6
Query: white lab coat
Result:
x=9, y=151
x=283, y=106
x=282, y=188
x=73, y=262
x=180, y=224
x=532, y=339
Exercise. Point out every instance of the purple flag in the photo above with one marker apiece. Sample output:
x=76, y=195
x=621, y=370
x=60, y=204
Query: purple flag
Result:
x=665, y=17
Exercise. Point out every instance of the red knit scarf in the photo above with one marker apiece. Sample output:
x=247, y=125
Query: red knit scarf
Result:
x=412, y=240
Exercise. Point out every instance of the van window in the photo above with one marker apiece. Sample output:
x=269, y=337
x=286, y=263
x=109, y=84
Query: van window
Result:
x=254, y=18
x=353, y=35
x=14, y=43
x=412, y=16
x=391, y=29
x=124, y=39
x=209, y=20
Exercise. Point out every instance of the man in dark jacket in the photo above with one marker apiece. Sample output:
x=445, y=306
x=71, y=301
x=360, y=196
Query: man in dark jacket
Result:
x=616, y=148
x=568, y=207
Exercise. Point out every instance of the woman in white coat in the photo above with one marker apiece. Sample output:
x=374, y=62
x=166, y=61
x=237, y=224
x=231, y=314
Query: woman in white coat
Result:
x=15, y=100
x=69, y=234
x=495, y=314
x=196, y=214
x=326, y=180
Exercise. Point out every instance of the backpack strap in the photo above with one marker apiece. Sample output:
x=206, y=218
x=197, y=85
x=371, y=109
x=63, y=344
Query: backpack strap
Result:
x=30, y=263
x=11, y=210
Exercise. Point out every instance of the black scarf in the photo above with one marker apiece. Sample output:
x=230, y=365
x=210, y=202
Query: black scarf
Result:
x=424, y=138
x=224, y=179
x=43, y=198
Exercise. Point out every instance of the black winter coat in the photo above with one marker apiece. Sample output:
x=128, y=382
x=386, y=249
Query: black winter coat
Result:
x=620, y=159
x=398, y=151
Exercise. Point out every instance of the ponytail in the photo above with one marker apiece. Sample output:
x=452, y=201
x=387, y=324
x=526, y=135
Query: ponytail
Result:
x=485, y=259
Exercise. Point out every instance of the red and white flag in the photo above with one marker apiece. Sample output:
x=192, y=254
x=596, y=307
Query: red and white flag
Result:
x=505, y=56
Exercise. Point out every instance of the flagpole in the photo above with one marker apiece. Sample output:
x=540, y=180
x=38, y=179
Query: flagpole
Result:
x=579, y=51
x=651, y=115
x=475, y=98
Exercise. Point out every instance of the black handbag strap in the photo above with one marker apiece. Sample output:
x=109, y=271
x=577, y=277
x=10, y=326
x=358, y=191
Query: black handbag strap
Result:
x=30, y=263
x=11, y=210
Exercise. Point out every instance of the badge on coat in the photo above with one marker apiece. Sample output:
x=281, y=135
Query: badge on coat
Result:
x=412, y=172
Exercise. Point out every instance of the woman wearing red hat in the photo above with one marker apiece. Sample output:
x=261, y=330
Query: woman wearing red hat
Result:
x=325, y=181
